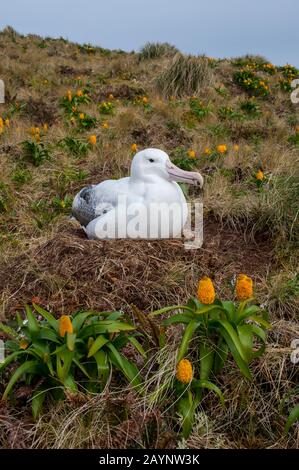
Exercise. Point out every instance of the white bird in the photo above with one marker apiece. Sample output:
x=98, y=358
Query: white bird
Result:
x=147, y=204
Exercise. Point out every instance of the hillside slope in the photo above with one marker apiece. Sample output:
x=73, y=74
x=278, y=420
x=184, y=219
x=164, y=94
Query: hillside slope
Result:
x=75, y=115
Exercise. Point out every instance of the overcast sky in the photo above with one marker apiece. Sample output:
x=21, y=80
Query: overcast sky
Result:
x=219, y=28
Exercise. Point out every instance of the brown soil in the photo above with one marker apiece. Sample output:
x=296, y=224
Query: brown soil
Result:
x=69, y=272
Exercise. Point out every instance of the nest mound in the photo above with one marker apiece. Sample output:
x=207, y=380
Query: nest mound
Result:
x=69, y=272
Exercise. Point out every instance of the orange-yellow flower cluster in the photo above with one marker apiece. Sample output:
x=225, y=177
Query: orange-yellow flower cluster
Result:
x=65, y=325
x=244, y=287
x=134, y=148
x=260, y=175
x=206, y=291
x=92, y=140
x=3, y=123
x=191, y=153
x=184, y=371
x=221, y=148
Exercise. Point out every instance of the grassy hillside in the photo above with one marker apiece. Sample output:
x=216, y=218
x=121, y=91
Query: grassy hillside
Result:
x=75, y=115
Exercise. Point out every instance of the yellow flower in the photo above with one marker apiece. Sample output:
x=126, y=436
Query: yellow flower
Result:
x=236, y=147
x=206, y=291
x=82, y=116
x=134, y=148
x=145, y=100
x=92, y=139
x=260, y=175
x=69, y=95
x=7, y=122
x=105, y=125
x=244, y=287
x=1, y=122
x=191, y=154
x=62, y=204
x=79, y=93
x=207, y=151
x=65, y=325
x=45, y=127
x=297, y=128
x=184, y=371
x=23, y=344
x=110, y=97
x=221, y=148
x=73, y=120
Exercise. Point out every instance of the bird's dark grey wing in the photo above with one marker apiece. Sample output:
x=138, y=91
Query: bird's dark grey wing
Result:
x=84, y=205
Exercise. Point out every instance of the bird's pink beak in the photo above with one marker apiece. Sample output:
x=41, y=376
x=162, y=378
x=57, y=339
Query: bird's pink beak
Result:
x=177, y=174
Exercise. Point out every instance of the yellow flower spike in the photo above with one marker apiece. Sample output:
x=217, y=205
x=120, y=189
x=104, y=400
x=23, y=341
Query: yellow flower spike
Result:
x=191, y=154
x=45, y=127
x=222, y=148
x=260, y=175
x=184, y=371
x=7, y=122
x=236, y=147
x=105, y=125
x=65, y=325
x=1, y=122
x=79, y=93
x=23, y=344
x=206, y=291
x=82, y=116
x=134, y=148
x=69, y=95
x=92, y=139
x=145, y=100
x=207, y=151
x=244, y=287
x=110, y=97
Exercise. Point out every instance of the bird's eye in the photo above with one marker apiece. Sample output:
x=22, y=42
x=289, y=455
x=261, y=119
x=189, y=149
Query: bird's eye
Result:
x=151, y=160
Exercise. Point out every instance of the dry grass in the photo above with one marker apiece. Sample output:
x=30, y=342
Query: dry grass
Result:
x=247, y=228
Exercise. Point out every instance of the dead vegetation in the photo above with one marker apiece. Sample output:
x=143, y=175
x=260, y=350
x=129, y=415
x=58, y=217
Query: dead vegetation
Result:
x=249, y=227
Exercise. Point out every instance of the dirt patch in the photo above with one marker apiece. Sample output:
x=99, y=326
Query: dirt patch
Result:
x=69, y=272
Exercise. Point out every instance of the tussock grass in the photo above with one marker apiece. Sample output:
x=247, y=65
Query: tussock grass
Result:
x=157, y=50
x=185, y=75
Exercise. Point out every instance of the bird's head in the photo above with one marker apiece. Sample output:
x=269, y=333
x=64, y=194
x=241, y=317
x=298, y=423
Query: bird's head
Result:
x=151, y=164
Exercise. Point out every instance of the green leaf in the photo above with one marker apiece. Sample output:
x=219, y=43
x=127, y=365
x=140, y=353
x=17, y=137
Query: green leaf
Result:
x=187, y=336
x=104, y=327
x=240, y=362
x=70, y=341
x=246, y=338
x=229, y=308
x=208, y=308
x=48, y=316
x=48, y=334
x=210, y=386
x=96, y=345
x=33, y=325
x=63, y=364
x=79, y=319
x=186, y=410
x=127, y=368
x=221, y=354
x=206, y=360
x=169, y=309
x=234, y=337
x=70, y=383
x=11, y=358
x=137, y=345
x=293, y=417
x=81, y=367
x=27, y=367
x=102, y=365
x=9, y=331
x=37, y=401
x=179, y=318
